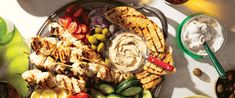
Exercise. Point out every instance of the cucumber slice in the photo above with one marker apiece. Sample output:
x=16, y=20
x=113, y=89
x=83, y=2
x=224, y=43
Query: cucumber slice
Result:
x=132, y=91
x=139, y=95
x=105, y=88
x=96, y=94
x=115, y=96
x=125, y=81
x=127, y=85
x=147, y=94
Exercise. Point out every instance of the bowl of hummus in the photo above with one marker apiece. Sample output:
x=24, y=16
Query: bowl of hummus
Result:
x=125, y=51
x=197, y=29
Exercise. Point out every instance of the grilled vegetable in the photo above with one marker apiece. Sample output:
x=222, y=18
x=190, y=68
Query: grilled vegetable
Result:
x=105, y=88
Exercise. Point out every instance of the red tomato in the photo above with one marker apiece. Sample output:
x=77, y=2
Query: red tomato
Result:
x=80, y=95
x=70, y=8
x=78, y=36
x=72, y=27
x=83, y=27
x=65, y=22
x=78, y=12
x=83, y=95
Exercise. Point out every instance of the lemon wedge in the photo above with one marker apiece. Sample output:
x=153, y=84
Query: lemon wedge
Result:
x=48, y=93
x=36, y=94
x=62, y=93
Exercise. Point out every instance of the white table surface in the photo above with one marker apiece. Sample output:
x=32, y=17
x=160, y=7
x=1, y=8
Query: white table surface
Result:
x=29, y=15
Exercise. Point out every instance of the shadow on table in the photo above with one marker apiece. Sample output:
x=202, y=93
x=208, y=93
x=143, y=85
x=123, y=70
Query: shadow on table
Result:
x=182, y=78
x=42, y=7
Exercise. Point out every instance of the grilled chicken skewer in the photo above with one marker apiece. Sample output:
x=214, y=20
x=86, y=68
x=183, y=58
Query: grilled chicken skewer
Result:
x=78, y=68
x=47, y=80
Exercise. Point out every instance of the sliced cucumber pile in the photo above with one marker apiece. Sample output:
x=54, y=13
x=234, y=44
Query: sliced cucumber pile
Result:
x=130, y=88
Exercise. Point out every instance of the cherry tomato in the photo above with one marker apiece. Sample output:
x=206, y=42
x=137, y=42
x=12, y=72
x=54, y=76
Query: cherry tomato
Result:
x=80, y=95
x=72, y=27
x=70, y=8
x=78, y=36
x=83, y=28
x=83, y=95
x=65, y=22
x=78, y=12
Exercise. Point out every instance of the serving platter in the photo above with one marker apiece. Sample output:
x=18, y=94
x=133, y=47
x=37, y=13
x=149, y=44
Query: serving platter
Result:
x=147, y=10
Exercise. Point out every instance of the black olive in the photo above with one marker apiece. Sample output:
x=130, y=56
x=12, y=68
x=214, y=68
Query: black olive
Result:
x=220, y=88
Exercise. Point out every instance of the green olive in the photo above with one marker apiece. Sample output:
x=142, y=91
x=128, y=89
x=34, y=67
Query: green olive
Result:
x=94, y=47
x=100, y=47
x=100, y=37
x=98, y=30
x=105, y=31
x=92, y=39
x=107, y=61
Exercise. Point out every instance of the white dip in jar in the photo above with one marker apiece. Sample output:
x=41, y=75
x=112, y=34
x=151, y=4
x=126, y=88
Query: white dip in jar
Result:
x=125, y=51
x=201, y=28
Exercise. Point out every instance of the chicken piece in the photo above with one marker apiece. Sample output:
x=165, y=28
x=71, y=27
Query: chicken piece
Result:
x=62, y=53
x=43, y=45
x=49, y=64
x=70, y=84
x=64, y=82
x=78, y=85
x=60, y=69
x=37, y=59
x=30, y=76
x=35, y=76
x=56, y=29
x=79, y=68
x=45, y=80
x=76, y=53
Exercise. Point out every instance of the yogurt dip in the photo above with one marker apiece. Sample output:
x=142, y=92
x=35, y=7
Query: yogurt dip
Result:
x=125, y=52
x=199, y=29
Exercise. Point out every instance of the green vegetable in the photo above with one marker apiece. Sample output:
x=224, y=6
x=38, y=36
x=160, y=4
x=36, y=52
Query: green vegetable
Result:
x=100, y=37
x=132, y=91
x=105, y=31
x=100, y=47
x=127, y=85
x=139, y=95
x=94, y=47
x=105, y=88
x=125, y=81
x=98, y=30
x=92, y=39
x=147, y=94
x=96, y=94
x=107, y=61
x=114, y=96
